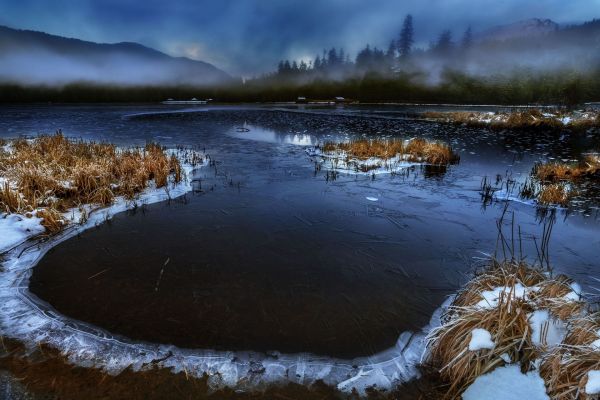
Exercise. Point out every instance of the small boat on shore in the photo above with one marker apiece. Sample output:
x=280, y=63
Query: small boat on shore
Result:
x=192, y=101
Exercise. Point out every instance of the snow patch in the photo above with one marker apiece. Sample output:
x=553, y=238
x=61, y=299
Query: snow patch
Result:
x=492, y=297
x=593, y=383
x=481, y=339
x=545, y=330
x=507, y=383
x=15, y=229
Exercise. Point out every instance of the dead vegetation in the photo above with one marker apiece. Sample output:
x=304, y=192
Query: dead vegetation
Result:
x=50, y=174
x=500, y=299
x=415, y=150
x=555, y=183
x=566, y=369
x=527, y=119
x=553, y=172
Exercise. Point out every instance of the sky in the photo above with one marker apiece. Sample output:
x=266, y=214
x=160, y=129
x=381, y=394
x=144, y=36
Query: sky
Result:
x=249, y=37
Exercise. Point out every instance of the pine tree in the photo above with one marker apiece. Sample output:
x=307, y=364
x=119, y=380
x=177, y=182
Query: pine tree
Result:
x=467, y=39
x=317, y=63
x=406, y=37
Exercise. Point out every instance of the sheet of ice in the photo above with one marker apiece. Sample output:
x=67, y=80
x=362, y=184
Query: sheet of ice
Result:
x=481, y=339
x=545, y=330
x=507, y=383
x=593, y=384
x=28, y=319
x=15, y=229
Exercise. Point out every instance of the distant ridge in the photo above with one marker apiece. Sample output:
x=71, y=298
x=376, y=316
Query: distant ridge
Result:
x=525, y=28
x=30, y=57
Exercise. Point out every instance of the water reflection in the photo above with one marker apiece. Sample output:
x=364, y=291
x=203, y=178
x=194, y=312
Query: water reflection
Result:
x=254, y=132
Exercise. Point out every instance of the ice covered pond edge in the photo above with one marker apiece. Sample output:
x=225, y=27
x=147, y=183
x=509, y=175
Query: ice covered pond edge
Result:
x=28, y=319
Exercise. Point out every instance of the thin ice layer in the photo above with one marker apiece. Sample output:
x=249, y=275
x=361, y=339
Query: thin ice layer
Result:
x=26, y=318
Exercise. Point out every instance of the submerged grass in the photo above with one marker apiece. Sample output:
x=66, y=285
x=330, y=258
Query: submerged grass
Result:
x=51, y=174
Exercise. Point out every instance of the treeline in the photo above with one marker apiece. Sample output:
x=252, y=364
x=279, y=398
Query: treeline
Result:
x=560, y=87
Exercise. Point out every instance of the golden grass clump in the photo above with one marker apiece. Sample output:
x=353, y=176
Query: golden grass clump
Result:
x=555, y=193
x=431, y=152
x=589, y=167
x=565, y=369
x=363, y=149
x=551, y=296
x=500, y=299
x=506, y=320
x=51, y=174
x=415, y=150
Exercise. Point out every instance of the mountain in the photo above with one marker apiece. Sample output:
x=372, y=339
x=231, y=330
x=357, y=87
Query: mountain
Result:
x=33, y=58
x=526, y=28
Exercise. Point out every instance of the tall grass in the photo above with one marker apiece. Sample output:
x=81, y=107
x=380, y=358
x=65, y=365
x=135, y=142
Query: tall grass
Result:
x=52, y=173
x=528, y=119
x=415, y=150
x=522, y=289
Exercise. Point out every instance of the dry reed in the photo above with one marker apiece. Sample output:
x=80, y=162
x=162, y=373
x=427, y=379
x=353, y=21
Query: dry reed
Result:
x=518, y=289
x=50, y=174
x=415, y=150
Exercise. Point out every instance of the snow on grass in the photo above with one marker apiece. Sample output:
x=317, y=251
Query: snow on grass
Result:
x=593, y=384
x=507, y=383
x=492, y=297
x=545, y=330
x=481, y=339
x=15, y=229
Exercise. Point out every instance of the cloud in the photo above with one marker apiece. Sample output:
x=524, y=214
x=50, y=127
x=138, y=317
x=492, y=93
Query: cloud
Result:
x=249, y=36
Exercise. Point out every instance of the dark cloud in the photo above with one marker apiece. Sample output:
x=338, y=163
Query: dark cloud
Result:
x=249, y=36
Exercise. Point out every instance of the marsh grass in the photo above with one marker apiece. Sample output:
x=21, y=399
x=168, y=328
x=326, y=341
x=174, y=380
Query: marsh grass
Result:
x=523, y=289
x=527, y=119
x=565, y=370
x=589, y=167
x=415, y=150
x=555, y=183
x=51, y=174
x=554, y=194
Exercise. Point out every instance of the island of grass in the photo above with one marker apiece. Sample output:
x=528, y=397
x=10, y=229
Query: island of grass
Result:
x=529, y=119
x=517, y=331
x=555, y=183
x=374, y=156
x=51, y=181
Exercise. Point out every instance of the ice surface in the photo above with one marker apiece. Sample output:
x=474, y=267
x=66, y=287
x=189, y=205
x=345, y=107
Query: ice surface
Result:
x=507, y=383
x=28, y=319
x=481, y=339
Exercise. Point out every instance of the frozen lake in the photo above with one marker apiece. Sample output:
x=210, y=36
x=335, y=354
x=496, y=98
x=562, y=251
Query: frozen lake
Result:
x=269, y=254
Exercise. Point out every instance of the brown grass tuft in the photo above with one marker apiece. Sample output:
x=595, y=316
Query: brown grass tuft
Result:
x=51, y=174
x=555, y=193
x=521, y=289
x=415, y=150
x=527, y=119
